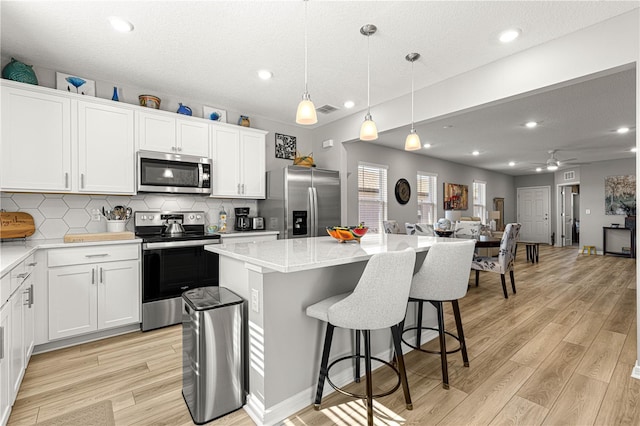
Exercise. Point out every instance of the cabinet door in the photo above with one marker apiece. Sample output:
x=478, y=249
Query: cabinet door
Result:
x=36, y=141
x=105, y=149
x=192, y=138
x=156, y=132
x=72, y=301
x=118, y=294
x=5, y=327
x=253, y=165
x=16, y=345
x=225, y=152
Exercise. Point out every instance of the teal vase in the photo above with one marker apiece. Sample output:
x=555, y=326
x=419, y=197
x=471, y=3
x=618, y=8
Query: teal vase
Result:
x=18, y=71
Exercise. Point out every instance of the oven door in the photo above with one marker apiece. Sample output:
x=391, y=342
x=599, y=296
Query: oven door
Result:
x=168, y=272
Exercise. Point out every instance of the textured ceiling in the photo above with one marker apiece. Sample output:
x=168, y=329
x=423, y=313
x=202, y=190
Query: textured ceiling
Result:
x=210, y=51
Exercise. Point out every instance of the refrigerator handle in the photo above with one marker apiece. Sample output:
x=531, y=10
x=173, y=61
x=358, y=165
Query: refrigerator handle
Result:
x=312, y=216
x=315, y=211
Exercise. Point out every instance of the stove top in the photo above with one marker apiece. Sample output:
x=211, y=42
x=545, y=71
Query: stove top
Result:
x=181, y=237
x=150, y=226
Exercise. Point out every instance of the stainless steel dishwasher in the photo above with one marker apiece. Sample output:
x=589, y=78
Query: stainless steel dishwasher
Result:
x=212, y=352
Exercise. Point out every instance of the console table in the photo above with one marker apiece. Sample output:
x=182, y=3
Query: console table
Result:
x=632, y=241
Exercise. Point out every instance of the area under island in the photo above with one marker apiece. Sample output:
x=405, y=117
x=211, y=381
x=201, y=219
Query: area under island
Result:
x=279, y=279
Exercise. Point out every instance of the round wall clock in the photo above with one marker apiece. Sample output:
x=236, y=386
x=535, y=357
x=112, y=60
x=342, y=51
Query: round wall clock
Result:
x=403, y=191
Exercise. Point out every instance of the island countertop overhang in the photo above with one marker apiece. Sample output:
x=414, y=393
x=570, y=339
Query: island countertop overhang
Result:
x=300, y=254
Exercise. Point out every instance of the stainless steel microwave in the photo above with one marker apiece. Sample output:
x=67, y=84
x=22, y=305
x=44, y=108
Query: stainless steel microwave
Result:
x=175, y=173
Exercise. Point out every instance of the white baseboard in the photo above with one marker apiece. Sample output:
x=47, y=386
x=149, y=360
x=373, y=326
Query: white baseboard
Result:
x=635, y=373
x=274, y=415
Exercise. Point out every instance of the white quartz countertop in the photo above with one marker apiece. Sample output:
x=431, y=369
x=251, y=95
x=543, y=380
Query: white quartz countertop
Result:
x=14, y=252
x=300, y=254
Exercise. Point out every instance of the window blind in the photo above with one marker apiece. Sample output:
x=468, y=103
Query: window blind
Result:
x=480, y=199
x=372, y=196
x=427, y=196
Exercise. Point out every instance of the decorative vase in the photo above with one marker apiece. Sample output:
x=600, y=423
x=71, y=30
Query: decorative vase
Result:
x=115, y=94
x=244, y=121
x=182, y=109
x=18, y=71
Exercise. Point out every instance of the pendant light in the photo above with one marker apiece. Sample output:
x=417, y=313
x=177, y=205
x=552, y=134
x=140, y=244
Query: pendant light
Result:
x=368, y=131
x=412, y=142
x=306, y=113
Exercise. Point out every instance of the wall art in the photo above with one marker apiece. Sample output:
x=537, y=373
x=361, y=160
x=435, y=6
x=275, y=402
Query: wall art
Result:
x=456, y=197
x=215, y=114
x=74, y=84
x=285, y=146
x=620, y=195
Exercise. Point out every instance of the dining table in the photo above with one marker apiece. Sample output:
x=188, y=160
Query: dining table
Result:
x=482, y=241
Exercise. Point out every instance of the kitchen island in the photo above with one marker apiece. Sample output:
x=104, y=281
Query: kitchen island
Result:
x=279, y=279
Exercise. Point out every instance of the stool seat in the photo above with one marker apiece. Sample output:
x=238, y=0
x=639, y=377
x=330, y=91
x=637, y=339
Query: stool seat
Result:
x=320, y=310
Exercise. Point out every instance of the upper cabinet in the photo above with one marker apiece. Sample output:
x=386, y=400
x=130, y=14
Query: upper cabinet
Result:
x=239, y=162
x=161, y=132
x=44, y=129
x=36, y=141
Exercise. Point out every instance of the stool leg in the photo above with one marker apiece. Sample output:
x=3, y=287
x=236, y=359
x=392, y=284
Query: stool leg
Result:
x=323, y=365
x=537, y=251
x=396, y=334
x=477, y=276
x=367, y=366
x=443, y=345
x=419, y=329
x=463, y=344
x=356, y=375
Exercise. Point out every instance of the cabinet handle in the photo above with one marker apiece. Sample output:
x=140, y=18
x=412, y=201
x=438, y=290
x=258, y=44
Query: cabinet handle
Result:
x=180, y=148
x=82, y=180
x=1, y=342
x=243, y=188
x=31, y=295
x=32, y=264
x=173, y=148
x=66, y=180
x=93, y=276
x=96, y=255
x=23, y=275
x=239, y=189
x=101, y=277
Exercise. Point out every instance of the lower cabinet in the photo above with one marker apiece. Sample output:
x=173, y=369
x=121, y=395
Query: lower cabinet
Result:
x=5, y=326
x=86, y=298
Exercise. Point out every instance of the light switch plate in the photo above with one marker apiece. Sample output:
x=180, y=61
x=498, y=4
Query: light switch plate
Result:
x=255, y=300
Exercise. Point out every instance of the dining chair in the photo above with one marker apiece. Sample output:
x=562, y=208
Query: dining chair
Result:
x=443, y=277
x=467, y=228
x=378, y=301
x=391, y=226
x=419, y=229
x=503, y=263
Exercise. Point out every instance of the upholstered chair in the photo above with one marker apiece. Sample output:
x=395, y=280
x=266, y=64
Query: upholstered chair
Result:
x=391, y=227
x=378, y=301
x=419, y=229
x=503, y=263
x=443, y=277
x=467, y=228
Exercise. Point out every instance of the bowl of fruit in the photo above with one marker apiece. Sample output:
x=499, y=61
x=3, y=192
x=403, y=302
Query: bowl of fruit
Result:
x=347, y=233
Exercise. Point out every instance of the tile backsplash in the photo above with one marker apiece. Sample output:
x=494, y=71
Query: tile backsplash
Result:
x=58, y=214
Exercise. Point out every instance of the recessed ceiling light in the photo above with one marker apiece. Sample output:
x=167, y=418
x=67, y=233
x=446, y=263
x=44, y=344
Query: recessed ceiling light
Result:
x=475, y=153
x=265, y=74
x=427, y=145
x=509, y=35
x=120, y=24
x=623, y=130
x=531, y=124
x=634, y=149
x=538, y=169
x=512, y=163
x=349, y=104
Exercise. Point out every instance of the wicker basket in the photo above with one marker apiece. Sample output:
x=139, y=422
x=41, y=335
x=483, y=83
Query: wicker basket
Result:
x=303, y=160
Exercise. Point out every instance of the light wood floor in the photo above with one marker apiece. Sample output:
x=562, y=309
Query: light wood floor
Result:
x=561, y=351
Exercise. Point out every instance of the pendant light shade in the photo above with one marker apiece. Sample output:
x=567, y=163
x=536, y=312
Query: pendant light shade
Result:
x=368, y=130
x=306, y=113
x=412, y=143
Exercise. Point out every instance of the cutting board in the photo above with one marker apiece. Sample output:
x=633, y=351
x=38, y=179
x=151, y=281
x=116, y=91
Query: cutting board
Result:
x=103, y=236
x=16, y=225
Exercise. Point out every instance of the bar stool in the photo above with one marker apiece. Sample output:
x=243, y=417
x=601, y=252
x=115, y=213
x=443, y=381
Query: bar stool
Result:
x=378, y=301
x=443, y=277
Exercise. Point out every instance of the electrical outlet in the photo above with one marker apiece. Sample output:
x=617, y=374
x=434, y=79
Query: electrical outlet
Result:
x=255, y=300
x=588, y=211
x=95, y=215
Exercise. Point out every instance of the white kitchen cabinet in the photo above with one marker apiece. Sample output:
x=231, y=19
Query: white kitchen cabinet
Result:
x=93, y=288
x=16, y=345
x=106, y=152
x=238, y=162
x=36, y=141
x=161, y=132
x=5, y=329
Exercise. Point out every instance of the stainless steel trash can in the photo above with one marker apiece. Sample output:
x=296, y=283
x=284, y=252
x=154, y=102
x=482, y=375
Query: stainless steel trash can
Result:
x=212, y=352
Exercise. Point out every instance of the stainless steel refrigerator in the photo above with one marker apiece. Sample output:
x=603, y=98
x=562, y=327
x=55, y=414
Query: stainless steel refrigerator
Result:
x=301, y=201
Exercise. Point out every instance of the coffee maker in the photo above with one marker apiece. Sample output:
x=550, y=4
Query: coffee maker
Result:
x=243, y=223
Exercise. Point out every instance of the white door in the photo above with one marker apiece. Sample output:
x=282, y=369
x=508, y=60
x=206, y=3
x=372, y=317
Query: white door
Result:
x=192, y=138
x=72, y=301
x=5, y=337
x=566, y=216
x=105, y=149
x=36, y=141
x=118, y=295
x=253, y=165
x=225, y=152
x=156, y=132
x=534, y=214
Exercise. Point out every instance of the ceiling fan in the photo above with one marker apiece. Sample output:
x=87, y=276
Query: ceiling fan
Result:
x=553, y=162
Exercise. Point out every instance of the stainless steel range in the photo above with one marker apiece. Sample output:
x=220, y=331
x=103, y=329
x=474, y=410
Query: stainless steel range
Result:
x=173, y=261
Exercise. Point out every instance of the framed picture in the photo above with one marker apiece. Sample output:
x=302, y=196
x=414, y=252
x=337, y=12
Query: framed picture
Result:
x=215, y=114
x=285, y=146
x=456, y=197
x=620, y=195
x=74, y=84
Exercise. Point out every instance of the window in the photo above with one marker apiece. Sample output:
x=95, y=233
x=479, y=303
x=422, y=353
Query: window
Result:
x=480, y=200
x=427, y=196
x=372, y=196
